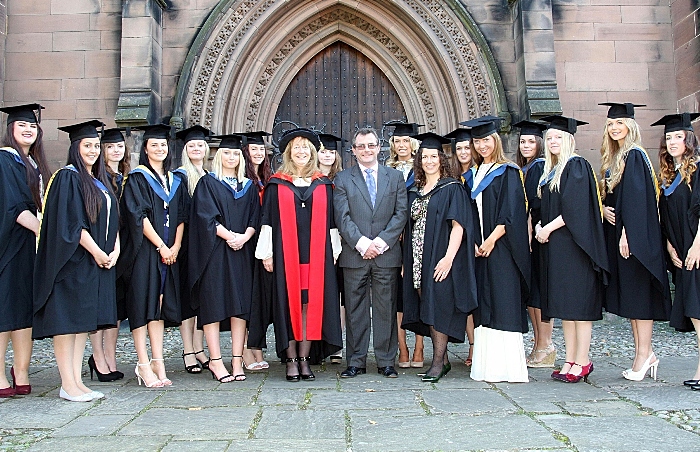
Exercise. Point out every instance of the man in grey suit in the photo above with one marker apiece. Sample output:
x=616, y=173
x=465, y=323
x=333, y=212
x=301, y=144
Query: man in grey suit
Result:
x=370, y=207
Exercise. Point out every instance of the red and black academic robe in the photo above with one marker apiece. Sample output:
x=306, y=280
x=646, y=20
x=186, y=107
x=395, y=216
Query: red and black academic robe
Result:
x=17, y=244
x=574, y=261
x=638, y=287
x=679, y=206
x=221, y=278
x=443, y=305
x=503, y=279
x=301, y=219
x=533, y=172
x=72, y=294
x=140, y=263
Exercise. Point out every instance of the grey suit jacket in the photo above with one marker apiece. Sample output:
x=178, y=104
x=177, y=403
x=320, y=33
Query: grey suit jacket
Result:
x=355, y=217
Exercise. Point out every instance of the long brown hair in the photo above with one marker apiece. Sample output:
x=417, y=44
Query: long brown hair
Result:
x=520, y=160
x=498, y=151
x=36, y=151
x=446, y=168
x=689, y=164
x=264, y=169
x=92, y=197
x=124, y=165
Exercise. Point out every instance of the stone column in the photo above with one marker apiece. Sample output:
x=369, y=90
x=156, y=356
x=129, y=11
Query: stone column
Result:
x=685, y=16
x=141, y=64
x=534, y=36
x=3, y=38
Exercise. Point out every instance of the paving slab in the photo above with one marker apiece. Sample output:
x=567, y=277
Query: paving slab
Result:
x=103, y=443
x=540, y=396
x=300, y=424
x=661, y=396
x=199, y=399
x=193, y=424
x=376, y=400
x=87, y=426
x=610, y=408
x=449, y=432
x=300, y=445
x=196, y=446
x=322, y=381
x=126, y=400
x=276, y=397
x=41, y=412
x=637, y=433
x=467, y=401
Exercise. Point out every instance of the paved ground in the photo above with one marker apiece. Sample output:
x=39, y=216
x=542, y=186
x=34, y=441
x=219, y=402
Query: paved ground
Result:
x=368, y=412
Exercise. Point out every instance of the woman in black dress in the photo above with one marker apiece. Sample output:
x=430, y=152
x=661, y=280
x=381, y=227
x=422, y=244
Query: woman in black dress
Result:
x=300, y=242
x=679, y=207
x=153, y=208
x=439, y=284
x=74, y=290
x=503, y=258
x=530, y=160
x=103, y=360
x=225, y=214
x=23, y=170
x=638, y=288
x=574, y=262
x=258, y=170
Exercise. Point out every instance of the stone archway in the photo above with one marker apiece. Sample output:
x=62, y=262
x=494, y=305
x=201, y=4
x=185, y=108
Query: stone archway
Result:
x=249, y=51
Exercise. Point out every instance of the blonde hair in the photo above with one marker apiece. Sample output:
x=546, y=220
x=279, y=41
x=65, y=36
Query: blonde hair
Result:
x=193, y=174
x=498, y=152
x=288, y=167
x=337, y=163
x=613, y=156
x=556, y=162
x=218, y=167
x=393, y=159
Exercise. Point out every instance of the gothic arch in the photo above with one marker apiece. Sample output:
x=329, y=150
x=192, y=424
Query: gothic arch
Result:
x=248, y=52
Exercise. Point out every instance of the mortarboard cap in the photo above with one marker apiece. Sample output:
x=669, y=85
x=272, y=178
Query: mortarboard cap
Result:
x=28, y=112
x=459, y=135
x=563, y=123
x=484, y=126
x=256, y=137
x=330, y=141
x=531, y=128
x=403, y=129
x=157, y=131
x=195, y=132
x=77, y=132
x=231, y=141
x=625, y=110
x=430, y=140
x=289, y=135
x=674, y=123
x=113, y=135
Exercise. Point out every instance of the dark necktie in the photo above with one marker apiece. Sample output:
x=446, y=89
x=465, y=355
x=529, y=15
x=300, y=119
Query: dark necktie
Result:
x=371, y=185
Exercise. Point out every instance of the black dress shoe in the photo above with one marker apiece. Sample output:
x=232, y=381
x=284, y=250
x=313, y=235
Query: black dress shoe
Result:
x=388, y=371
x=352, y=372
x=691, y=382
x=695, y=387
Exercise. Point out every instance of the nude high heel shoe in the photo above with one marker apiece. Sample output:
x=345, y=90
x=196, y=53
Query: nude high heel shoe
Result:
x=155, y=384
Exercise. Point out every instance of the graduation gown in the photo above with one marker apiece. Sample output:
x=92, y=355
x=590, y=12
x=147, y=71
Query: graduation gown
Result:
x=187, y=309
x=261, y=308
x=443, y=305
x=679, y=207
x=117, y=183
x=405, y=244
x=503, y=279
x=17, y=245
x=574, y=260
x=221, y=279
x=311, y=242
x=532, y=173
x=140, y=262
x=72, y=294
x=638, y=287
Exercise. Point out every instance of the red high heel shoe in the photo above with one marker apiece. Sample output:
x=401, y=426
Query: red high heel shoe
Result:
x=19, y=389
x=557, y=375
x=585, y=372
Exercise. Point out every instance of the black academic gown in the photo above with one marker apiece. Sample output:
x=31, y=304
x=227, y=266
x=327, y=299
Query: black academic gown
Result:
x=263, y=281
x=503, y=279
x=443, y=305
x=116, y=181
x=574, y=260
x=405, y=245
x=331, y=335
x=638, y=287
x=533, y=173
x=17, y=245
x=140, y=262
x=679, y=207
x=72, y=294
x=187, y=308
x=222, y=279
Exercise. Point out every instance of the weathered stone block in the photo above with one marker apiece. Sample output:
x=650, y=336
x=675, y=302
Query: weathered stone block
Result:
x=578, y=14
x=137, y=27
x=538, y=41
x=590, y=51
x=688, y=80
x=106, y=21
x=110, y=40
x=685, y=30
x=646, y=14
x=103, y=63
x=80, y=88
x=539, y=66
x=68, y=40
x=688, y=54
x=23, y=66
x=536, y=20
x=71, y=22
x=574, y=32
x=681, y=9
x=29, y=42
x=644, y=51
x=32, y=7
x=606, y=77
x=137, y=52
x=75, y=6
x=20, y=91
x=633, y=32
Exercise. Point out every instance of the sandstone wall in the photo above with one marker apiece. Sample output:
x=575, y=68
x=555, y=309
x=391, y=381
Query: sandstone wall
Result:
x=685, y=16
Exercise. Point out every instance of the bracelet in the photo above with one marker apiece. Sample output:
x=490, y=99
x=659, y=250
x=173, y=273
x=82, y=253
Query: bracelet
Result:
x=161, y=246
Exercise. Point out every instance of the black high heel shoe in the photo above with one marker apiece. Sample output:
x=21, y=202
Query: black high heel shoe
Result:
x=292, y=377
x=228, y=378
x=195, y=368
x=309, y=376
x=100, y=376
x=204, y=364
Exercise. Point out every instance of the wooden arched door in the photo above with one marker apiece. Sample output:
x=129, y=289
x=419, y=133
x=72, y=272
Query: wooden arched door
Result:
x=337, y=92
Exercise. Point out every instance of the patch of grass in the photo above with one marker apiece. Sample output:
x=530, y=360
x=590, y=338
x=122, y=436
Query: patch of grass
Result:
x=256, y=422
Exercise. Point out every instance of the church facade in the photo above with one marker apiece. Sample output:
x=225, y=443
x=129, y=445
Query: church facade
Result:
x=336, y=65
